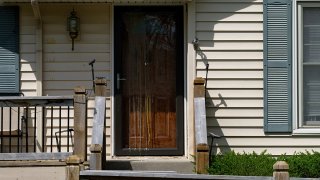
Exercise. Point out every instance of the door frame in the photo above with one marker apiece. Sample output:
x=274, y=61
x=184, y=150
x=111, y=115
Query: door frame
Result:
x=181, y=110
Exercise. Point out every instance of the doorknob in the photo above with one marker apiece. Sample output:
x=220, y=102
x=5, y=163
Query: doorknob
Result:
x=118, y=80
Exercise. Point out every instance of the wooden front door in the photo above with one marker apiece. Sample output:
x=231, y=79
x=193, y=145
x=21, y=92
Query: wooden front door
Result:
x=149, y=80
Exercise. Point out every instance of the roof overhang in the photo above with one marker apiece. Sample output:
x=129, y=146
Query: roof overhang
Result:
x=96, y=1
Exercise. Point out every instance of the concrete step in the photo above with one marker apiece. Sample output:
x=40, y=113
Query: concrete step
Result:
x=179, y=166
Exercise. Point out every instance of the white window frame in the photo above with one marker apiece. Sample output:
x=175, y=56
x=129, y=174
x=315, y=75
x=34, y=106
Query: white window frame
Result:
x=297, y=89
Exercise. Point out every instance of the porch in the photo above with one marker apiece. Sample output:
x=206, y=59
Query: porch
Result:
x=42, y=132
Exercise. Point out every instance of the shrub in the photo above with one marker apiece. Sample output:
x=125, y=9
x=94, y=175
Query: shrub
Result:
x=246, y=164
x=303, y=164
x=252, y=164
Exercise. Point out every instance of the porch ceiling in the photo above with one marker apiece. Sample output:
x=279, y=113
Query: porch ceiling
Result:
x=95, y=1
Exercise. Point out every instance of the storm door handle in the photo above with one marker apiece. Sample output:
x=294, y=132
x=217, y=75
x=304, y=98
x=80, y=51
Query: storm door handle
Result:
x=118, y=80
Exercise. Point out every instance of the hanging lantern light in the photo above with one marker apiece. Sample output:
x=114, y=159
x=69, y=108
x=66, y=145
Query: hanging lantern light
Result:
x=73, y=26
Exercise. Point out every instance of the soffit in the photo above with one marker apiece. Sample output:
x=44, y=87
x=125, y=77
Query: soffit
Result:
x=98, y=1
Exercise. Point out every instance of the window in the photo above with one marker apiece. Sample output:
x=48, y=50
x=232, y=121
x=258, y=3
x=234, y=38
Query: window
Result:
x=309, y=65
x=292, y=66
x=9, y=50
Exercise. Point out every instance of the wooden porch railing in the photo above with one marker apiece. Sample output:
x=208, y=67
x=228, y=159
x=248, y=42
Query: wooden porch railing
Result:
x=40, y=126
x=34, y=124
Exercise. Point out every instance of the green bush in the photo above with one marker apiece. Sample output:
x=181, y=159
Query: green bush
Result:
x=303, y=164
x=252, y=164
x=246, y=164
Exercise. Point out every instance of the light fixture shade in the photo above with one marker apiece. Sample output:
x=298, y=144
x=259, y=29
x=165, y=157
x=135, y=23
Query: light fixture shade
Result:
x=73, y=25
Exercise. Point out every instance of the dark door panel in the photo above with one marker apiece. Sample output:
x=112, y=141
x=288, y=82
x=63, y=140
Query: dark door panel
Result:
x=149, y=80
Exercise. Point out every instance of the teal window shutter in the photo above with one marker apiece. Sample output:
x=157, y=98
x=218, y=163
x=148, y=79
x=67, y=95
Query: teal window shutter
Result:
x=277, y=66
x=9, y=50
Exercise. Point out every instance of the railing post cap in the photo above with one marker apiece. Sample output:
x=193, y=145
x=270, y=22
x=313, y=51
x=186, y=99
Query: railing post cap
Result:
x=79, y=90
x=96, y=148
x=100, y=81
x=73, y=159
x=280, y=166
x=199, y=81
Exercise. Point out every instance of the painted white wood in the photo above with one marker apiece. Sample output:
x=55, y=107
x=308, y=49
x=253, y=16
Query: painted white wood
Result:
x=98, y=121
x=190, y=66
x=200, y=120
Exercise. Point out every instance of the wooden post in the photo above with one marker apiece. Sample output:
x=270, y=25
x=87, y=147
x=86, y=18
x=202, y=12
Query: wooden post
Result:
x=96, y=157
x=98, y=134
x=202, y=158
x=202, y=148
x=73, y=168
x=80, y=123
x=101, y=90
x=281, y=171
x=100, y=87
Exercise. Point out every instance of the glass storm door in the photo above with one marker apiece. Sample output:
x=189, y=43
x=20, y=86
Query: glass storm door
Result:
x=149, y=80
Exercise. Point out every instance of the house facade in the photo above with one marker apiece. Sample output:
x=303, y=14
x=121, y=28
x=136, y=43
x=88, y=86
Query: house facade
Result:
x=261, y=79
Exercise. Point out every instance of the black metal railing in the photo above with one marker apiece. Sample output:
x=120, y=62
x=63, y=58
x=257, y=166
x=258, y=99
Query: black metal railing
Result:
x=36, y=124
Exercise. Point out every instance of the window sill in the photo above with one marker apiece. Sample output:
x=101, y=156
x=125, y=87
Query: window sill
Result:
x=297, y=132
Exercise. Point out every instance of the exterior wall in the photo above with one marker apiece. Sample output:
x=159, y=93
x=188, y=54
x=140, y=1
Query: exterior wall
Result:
x=231, y=34
x=27, y=50
x=27, y=70
x=64, y=69
x=231, y=41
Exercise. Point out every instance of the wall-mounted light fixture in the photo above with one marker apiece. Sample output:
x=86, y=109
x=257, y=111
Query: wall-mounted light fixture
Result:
x=73, y=26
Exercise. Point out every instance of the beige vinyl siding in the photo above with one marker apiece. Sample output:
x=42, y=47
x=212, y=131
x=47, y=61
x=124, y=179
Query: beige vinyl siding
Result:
x=27, y=51
x=231, y=41
x=64, y=69
x=28, y=87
